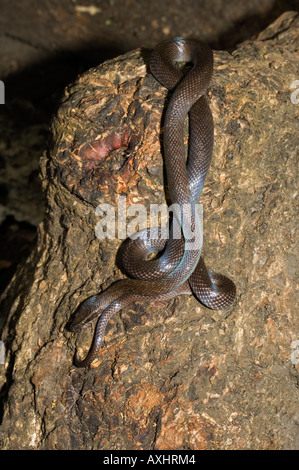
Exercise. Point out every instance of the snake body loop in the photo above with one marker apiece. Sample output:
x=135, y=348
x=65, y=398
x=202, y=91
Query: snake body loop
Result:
x=179, y=270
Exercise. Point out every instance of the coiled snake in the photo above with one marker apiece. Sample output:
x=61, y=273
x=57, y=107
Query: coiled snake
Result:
x=180, y=269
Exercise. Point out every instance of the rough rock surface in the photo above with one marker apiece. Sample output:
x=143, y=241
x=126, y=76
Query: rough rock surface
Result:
x=171, y=375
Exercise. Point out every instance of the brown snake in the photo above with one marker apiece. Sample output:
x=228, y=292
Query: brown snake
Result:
x=179, y=269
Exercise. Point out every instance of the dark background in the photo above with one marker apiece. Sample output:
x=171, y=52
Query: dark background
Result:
x=45, y=44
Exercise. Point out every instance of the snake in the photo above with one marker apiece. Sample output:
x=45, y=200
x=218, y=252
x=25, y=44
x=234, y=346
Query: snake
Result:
x=159, y=265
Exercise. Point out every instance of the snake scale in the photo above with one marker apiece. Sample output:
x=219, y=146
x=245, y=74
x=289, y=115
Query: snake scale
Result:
x=180, y=268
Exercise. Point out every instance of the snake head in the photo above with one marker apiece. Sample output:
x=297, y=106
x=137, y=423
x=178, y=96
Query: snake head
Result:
x=86, y=312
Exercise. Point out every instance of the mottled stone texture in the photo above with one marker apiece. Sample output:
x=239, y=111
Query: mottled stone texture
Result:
x=171, y=375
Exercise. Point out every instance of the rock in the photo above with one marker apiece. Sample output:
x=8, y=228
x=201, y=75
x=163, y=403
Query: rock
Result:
x=170, y=375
